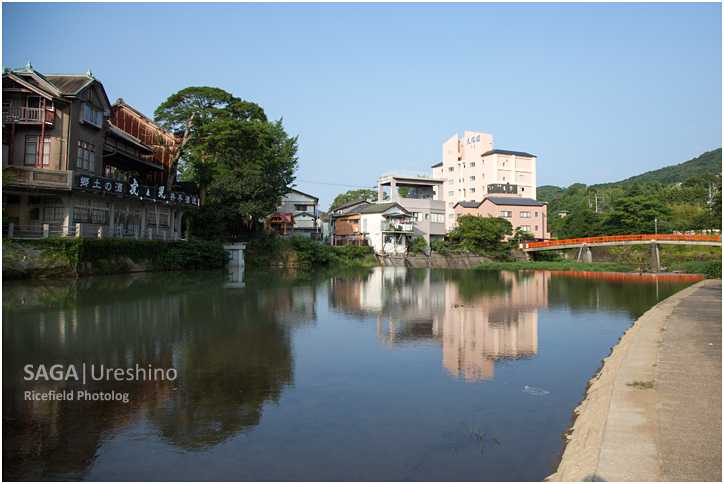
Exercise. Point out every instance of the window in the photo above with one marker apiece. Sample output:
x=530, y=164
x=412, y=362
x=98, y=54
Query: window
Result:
x=506, y=214
x=53, y=214
x=451, y=216
x=503, y=178
x=450, y=182
x=31, y=150
x=472, y=178
x=91, y=211
x=92, y=115
x=451, y=194
x=352, y=221
x=472, y=164
x=524, y=214
x=472, y=190
x=300, y=208
x=451, y=205
x=525, y=228
x=459, y=215
x=452, y=168
x=86, y=156
x=437, y=218
x=522, y=177
x=536, y=228
x=536, y=214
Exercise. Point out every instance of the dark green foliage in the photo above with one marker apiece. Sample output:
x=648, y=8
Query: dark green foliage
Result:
x=548, y=193
x=707, y=162
x=359, y=194
x=440, y=246
x=636, y=215
x=242, y=162
x=711, y=268
x=481, y=234
x=418, y=245
x=581, y=223
x=298, y=250
x=194, y=254
x=545, y=256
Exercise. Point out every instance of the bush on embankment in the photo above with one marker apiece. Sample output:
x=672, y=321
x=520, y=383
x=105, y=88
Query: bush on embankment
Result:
x=302, y=251
x=99, y=256
x=710, y=268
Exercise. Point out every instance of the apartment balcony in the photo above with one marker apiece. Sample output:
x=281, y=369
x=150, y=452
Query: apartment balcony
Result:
x=17, y=115
x=397, y=227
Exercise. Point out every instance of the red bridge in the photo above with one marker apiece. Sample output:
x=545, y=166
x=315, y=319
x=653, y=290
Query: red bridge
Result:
x=584, y=255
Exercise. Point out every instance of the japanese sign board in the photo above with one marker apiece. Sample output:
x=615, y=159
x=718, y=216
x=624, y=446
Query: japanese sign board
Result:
x=133, y=188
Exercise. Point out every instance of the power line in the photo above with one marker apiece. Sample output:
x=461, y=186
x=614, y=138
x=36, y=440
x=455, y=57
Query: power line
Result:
x=335, y=184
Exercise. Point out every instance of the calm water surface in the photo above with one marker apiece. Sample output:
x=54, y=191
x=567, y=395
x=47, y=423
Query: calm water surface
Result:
x=382, y=374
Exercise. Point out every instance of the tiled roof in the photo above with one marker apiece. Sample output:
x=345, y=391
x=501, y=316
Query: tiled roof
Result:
x=435, y=166
x=528, y=202
x=506, y=152
x=382, y=207
x=286, y=216
x=468, y=204
x=118, y=132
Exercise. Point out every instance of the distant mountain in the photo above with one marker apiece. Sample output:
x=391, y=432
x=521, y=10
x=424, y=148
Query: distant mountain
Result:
x=709, y=161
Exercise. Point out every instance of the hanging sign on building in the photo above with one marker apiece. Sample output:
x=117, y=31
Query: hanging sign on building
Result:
x=133, y=188
x=100, y=185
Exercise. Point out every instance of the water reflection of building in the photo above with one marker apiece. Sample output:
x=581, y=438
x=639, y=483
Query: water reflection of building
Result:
x=231, y=356
x=477, y=317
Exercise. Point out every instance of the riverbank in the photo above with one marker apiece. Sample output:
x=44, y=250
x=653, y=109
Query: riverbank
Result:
x=653, y=413
x=72, y=257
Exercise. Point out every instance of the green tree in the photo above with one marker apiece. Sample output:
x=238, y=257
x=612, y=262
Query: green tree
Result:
x=481, y=234
x=580, y=223
x=213, y=122
x=242, y=162
x=635, y=215
x=359, y=194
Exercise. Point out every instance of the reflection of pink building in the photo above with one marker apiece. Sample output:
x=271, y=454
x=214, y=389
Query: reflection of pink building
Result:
x=500, y=326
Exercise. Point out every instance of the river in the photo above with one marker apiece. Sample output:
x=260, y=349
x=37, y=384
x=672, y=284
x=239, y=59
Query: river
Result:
x=381, y=374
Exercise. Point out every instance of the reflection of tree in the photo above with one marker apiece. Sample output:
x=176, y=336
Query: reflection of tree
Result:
x=229, y=351
x=237, y=359
x=629, y=293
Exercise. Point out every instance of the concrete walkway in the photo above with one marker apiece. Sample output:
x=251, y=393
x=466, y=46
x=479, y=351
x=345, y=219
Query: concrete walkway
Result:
x=653, y=412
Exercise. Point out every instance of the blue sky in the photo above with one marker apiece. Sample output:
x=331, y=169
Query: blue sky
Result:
x=597, y=91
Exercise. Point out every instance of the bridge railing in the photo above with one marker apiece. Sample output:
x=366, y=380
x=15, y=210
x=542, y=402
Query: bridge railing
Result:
x=624, y=238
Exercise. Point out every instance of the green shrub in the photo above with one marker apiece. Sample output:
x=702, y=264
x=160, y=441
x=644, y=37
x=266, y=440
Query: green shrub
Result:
x=710, y=268
x=418, y=244
x=440, y=246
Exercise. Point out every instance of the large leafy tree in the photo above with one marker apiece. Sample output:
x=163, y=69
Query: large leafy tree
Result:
x=242, y=162
x=481, y=234
x=213, y=119
x=635, y=215
x=580, y=223
x=351, y=195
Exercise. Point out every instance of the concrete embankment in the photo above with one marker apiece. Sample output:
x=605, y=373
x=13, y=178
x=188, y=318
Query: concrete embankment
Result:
x=653, y=412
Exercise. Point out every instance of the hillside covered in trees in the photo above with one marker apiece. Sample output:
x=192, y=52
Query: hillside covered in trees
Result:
x=680, y=198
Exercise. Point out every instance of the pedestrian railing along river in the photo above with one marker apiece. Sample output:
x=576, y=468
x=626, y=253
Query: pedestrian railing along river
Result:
x=613, y=239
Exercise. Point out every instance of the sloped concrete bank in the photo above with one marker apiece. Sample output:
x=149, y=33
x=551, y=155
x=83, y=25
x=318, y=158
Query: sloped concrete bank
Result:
x=615, y=435
x=434, y=260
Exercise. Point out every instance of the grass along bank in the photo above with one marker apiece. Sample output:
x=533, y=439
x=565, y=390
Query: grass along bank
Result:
x=53, y=257
x=558, y=265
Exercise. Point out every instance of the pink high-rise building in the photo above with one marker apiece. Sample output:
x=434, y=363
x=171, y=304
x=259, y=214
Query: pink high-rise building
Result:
x=469, y=164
